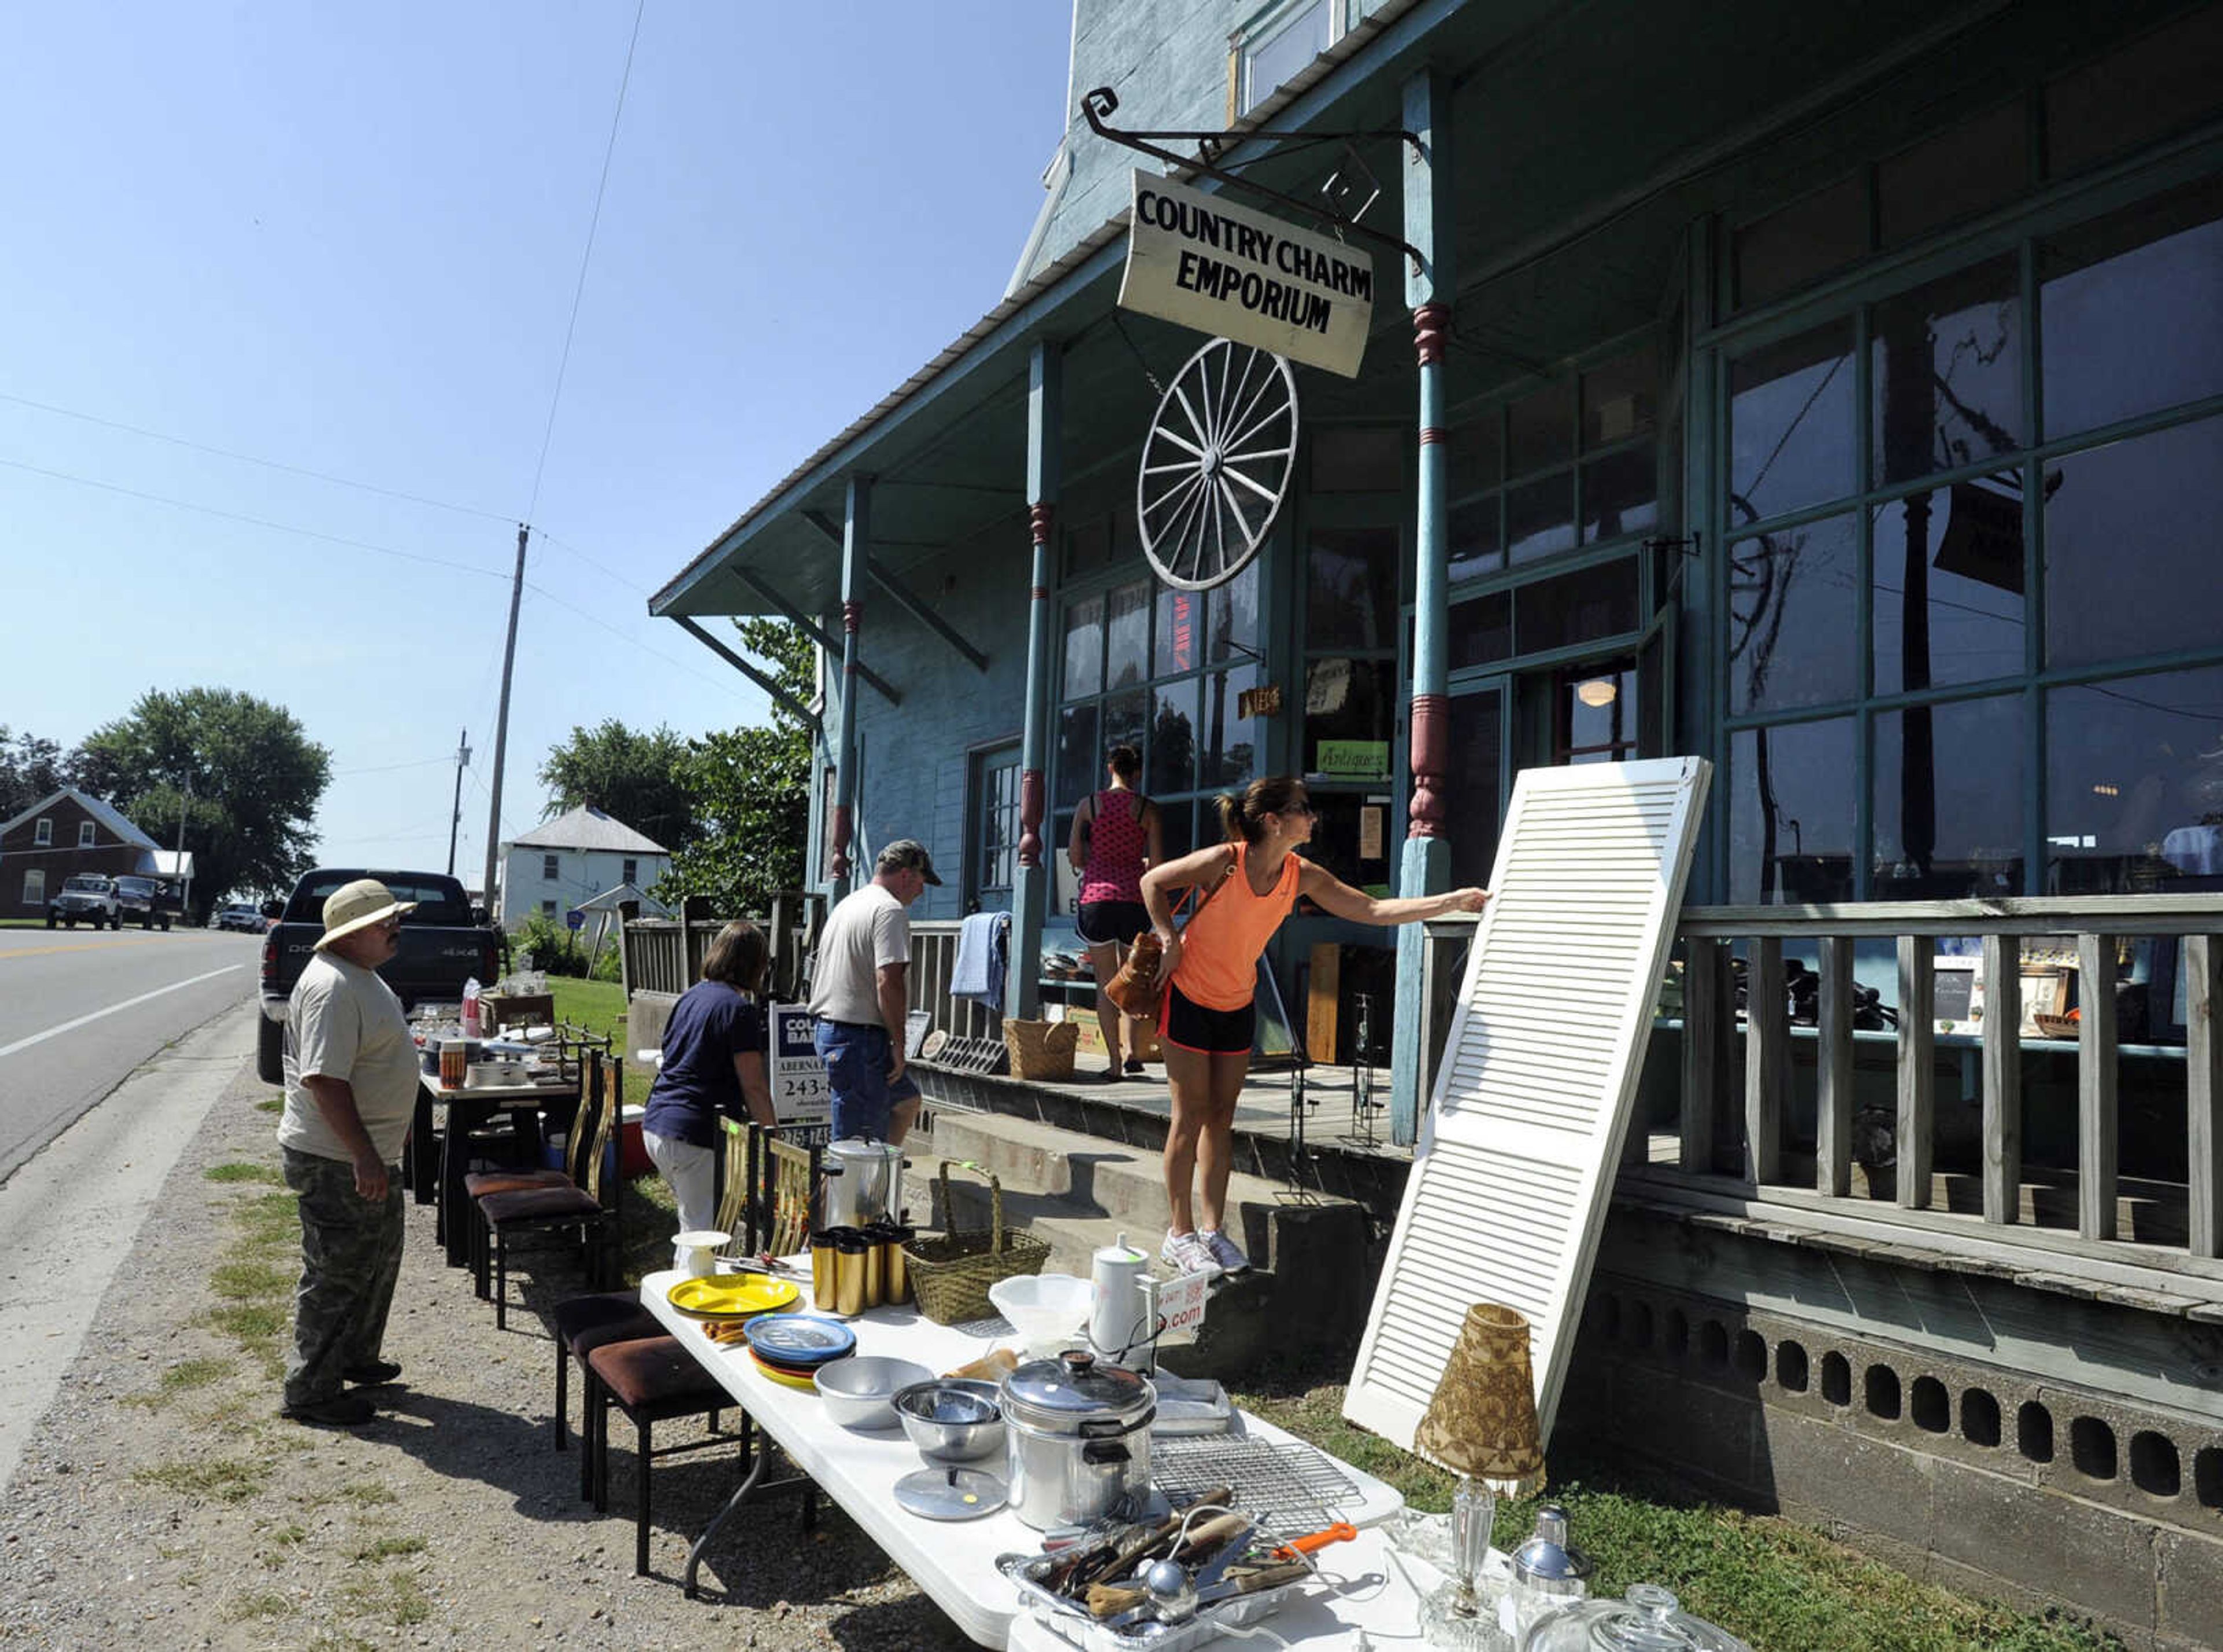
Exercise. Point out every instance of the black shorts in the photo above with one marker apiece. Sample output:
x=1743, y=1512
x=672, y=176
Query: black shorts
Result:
x=1215, y=1032
x=1102, y=922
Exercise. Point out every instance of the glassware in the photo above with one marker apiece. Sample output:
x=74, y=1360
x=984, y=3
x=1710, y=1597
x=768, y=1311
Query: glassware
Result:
x=1474, y=1509
x=1548, y=1571
x=1648, y=1621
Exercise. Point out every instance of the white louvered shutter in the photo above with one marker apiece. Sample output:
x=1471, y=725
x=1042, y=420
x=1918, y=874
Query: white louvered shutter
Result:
x=1518, y=1149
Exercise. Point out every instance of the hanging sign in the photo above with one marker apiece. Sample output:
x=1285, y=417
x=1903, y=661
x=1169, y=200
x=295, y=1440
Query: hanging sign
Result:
x=1200, y=260
x=800, y=1099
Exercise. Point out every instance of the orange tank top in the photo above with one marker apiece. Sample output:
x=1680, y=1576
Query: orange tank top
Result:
x=1221, y=946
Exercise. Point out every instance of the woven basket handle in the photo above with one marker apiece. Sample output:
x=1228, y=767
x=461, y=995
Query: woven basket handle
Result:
x=995, y=1202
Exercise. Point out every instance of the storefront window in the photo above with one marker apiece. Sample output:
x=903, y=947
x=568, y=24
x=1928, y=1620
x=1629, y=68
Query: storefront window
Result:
x=1173, y=738
x=1946, y=361
x=1539, y=517
x=1080, y=755
x=1791, y=813
x=1126, y=720
x=1084, y=648
x=1127, y=634
x=1481, y=631
x=1476, y=545
x=1791, y=424
x=1181, y=631
x=1588, y=606
x=1792, y=642
x=1232, y=629
x=1231, y=743
x=1947, y=584
x=1352, y=596
x=1948, y=810
x=1621, y=493
x=1349, y=707
x=2134, y=785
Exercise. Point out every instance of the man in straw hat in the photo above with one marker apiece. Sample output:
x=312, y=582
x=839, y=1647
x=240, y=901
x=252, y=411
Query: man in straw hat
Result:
x=351, y=1088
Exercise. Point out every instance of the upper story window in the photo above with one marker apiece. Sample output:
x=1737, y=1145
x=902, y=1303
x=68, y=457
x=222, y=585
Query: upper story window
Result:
x=1277, y=41
x=43, y=833
x=85, y=833
x=631, y=872
x=548, y=872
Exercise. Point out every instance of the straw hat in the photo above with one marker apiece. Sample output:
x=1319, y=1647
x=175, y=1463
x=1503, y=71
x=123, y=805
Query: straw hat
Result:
x=357, y=906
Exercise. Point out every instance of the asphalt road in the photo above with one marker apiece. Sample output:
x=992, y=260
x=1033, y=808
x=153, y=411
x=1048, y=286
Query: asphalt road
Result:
x=80, y=1009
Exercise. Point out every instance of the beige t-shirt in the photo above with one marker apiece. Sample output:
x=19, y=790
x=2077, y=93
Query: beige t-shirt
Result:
x=344, y=1021
x=863, y=933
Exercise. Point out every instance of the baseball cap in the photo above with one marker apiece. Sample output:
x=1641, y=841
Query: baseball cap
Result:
x=907, y=855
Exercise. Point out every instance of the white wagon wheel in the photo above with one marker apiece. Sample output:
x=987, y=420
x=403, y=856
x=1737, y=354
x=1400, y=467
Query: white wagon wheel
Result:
x=1216, y=464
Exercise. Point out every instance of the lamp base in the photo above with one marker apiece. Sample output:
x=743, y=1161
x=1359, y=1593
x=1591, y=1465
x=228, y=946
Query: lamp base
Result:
x=1444, y=1629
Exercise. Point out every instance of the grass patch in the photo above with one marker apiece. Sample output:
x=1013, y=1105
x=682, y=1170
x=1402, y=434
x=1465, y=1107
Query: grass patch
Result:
x=391, y=1546
x=394, y=1597
x=252, y=1281
x=254, y=1326
x=366, y=1494
x=340, y=1643
x=180, y=1379
x=220, y=1479
x=271, y=1104
x=244, y=1172
x=292, y=1535
x=270, y=1604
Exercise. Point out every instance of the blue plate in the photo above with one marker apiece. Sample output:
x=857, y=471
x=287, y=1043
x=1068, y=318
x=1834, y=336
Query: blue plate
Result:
x=800, y=1339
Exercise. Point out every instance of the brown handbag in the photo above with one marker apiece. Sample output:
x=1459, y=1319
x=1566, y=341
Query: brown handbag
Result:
x=1136, y=988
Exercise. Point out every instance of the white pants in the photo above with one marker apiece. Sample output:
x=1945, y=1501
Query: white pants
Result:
x=693, y=1174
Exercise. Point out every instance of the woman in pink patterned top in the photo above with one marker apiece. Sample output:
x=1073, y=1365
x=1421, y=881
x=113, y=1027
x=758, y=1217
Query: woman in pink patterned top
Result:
x=1115, y=838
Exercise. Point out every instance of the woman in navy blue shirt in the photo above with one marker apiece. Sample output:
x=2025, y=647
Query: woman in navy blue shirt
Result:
x=713, y=1067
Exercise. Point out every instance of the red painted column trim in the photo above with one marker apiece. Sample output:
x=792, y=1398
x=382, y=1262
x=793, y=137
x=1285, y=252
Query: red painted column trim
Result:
x=1431, y=332
x=1431, y=731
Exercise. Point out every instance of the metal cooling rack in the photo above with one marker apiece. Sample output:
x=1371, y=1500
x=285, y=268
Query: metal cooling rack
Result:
x=1291, y=1488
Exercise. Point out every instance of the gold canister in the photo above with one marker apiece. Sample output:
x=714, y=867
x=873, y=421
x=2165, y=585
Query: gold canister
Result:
x=899, y=1265
x=876, y=1271
x=849, y=1267
x=823, y=1252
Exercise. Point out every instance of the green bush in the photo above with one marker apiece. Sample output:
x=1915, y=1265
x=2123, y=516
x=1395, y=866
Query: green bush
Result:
x=552, y=947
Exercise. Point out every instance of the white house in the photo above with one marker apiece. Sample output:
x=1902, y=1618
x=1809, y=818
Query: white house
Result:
x=568, y=862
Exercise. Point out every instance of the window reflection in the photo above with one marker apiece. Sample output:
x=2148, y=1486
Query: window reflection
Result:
x=1791, y=424
x=1173, y=738
x=1084, y=647
x=1127, y=634
x=1125, y=719
x=1621, y=493
x=2134, y=785
x=1348, y=700
x=1079, y=757
x=1230, y=740
x=1476, y=546
x=1180, y=625
x=1948, y=789
x=1481, y=631
x=1791, y=638
x=1791, y=813
x=1231, y=631
x=1539, y=517
x=1584, y=606
x=1947, y=571
x=1352, y=596
x=1947, y=366
x=2131, y=547
x=1619, y=397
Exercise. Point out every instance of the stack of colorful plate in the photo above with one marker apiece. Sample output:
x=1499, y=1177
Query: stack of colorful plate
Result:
x=728, y=1296
x=790, y=1349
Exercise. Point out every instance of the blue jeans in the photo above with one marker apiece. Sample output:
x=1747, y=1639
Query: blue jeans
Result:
x=857, y=1059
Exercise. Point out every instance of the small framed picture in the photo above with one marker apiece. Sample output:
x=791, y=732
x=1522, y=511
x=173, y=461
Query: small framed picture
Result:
x=1956, y=996
x=2045, y=992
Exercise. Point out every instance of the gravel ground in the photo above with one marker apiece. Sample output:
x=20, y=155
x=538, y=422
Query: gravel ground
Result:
x=163, y=1502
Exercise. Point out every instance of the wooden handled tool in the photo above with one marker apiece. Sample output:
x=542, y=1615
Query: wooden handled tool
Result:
x=1250, y=1583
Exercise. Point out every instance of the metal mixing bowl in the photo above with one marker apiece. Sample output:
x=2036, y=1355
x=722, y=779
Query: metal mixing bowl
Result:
x=951, y=1419
x=859, y=1393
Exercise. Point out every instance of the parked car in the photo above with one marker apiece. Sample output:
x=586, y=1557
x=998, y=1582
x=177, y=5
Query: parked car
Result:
x=240, y=915
x=445, y=942
x=148, y=901
x=87, y=897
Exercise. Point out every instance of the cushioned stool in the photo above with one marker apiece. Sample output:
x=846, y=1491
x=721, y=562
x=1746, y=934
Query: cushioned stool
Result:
x=581, y=1325
x=651, y=1380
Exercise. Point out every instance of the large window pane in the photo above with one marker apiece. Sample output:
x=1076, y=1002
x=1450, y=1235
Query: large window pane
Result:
x=1619, y=397
x=1539, y=517
x=1177, y=831
x=1180, y=625
x=1539, y=428
x=1127, y=636
x=1472, y=785
x=2134, y=785
x=1791, y=813
x=1348, y=703
x=1079, y=757
x=1352, y=597
x=1792, y=640
x=1173, y=738
x=2128, y=311
x=1084, y=648
x=1232, y=628
x=1476, y=545
x=1583, y=607
x=1809, y=237
x=1481, y=631
x=1947, y=364
x=1125, y=719
x=1621, y=493
x=1947, y=570
x=1791, y=424
x=1949, y=800
x=1233, y=744
x=1956, y=173
x=2133, y=547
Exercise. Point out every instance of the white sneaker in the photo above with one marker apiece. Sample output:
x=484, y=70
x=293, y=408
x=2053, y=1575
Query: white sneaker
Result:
x=1186, y=1253
x=1226, y=1254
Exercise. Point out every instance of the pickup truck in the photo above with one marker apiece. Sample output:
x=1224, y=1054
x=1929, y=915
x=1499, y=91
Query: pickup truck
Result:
x=146, y=901
x=88, y=898
x=445, y=942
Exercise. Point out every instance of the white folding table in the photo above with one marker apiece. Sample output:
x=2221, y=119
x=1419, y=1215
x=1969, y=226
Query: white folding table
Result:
x=954, y=1562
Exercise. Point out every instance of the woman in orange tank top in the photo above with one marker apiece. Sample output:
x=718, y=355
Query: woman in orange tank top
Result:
x=1247, y=886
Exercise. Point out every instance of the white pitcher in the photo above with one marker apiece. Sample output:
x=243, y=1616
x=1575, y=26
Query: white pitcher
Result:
x=1117, y=1322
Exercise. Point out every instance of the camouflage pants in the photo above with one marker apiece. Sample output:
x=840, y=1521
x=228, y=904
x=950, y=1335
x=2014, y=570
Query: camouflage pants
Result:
x=351, y=1257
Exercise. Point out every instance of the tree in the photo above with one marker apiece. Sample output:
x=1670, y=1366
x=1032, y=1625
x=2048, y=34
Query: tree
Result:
x=633, y=776
x=31, y=768
x=253, y=777
x=751, y=791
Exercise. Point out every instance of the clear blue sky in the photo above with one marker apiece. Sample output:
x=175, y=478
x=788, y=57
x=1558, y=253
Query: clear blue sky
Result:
x=346, y=239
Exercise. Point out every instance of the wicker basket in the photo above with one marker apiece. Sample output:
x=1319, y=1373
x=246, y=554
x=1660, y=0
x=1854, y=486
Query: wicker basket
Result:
x=1041, y=1050
x=952, y=1273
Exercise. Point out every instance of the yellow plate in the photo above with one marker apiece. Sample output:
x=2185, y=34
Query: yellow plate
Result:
x=780, y=1377
x=732, y=1296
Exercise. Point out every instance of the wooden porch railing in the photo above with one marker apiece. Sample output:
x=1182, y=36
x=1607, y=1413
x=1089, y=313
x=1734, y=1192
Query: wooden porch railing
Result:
x=933, y=957
x=1734, y=1089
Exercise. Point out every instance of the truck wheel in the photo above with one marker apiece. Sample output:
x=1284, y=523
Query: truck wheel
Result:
x=166, y=925
x=69, y=923
x=270, y=1050
x=117, y=922
x=50, y=920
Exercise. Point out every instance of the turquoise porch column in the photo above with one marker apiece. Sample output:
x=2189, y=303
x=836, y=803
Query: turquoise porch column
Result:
x=856, y=546
x=1425, y=868
x=1030, y=888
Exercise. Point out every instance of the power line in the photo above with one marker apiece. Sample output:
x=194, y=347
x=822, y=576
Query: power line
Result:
x=586, y=257
x=596, y=619
x=252, y=459
x=388, y=768
x=251, y=521
x=601, y=568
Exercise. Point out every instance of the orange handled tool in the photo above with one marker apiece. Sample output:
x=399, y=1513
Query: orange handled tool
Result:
x=1341, y=1531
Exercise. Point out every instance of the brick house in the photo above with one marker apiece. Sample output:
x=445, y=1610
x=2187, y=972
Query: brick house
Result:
x=61, y=835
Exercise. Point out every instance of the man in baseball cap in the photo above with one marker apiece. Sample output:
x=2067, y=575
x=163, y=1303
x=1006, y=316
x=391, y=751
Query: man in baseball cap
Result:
x=860, y=992
x=351, y=1089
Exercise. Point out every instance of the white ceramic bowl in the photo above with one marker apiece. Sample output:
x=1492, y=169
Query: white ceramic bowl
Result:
x=860, y=1391
x=1050, y=1310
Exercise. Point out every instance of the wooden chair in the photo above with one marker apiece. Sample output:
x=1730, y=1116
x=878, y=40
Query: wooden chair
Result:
x=768, y=1207
x=587, y=1208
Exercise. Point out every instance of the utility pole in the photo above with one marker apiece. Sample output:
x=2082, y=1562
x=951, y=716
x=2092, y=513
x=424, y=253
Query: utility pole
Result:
x=455, y=819
x=184, y=802
x=502, y=724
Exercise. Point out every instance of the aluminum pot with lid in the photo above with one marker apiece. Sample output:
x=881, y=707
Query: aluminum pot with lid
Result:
x=1076, y=1440
x=1648, y=1621
x=863, y=1182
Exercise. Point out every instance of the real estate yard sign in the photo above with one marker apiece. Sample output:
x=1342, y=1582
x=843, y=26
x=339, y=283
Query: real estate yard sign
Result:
x=800, y=1099
x=1201, y=260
